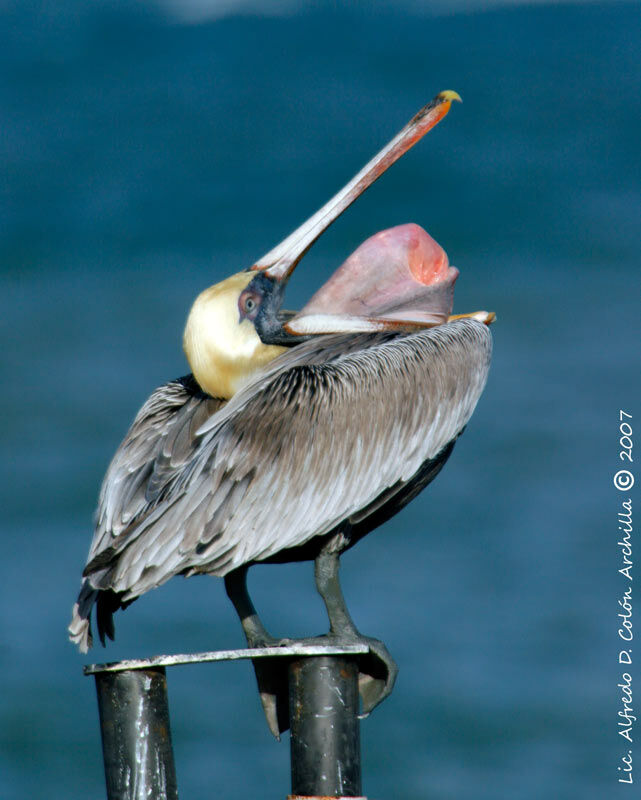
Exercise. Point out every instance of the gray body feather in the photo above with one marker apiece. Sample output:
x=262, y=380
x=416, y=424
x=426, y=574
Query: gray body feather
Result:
x=339, y=431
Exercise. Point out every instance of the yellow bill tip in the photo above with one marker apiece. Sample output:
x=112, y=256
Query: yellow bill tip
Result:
x=449, y=96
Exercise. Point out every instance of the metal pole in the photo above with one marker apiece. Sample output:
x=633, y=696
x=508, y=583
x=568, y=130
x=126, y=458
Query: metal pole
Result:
x=136, y=740
x=325, y=735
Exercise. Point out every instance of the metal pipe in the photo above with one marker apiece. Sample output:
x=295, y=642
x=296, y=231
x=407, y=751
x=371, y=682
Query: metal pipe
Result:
x=136, y=739
x=325, y=734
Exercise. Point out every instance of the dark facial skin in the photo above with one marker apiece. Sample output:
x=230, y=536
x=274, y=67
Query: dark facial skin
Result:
x=260, y=303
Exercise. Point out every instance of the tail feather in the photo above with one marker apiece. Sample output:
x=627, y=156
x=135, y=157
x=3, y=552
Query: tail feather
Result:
x=108, y=603
x=80, y=626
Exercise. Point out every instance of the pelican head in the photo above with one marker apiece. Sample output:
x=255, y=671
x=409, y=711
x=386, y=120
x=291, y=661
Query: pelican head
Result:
x=236, y=327
x=220, y=341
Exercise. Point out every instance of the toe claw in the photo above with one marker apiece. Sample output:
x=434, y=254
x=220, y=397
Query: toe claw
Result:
x=377, y=675
x=271, y=677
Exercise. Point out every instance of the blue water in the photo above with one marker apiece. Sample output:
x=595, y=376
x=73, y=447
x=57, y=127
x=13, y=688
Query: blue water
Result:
x=146, y=156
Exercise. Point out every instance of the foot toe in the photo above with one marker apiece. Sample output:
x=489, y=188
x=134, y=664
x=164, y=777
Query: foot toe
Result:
x=377, y=675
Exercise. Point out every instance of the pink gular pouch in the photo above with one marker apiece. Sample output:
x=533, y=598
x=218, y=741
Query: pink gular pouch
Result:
x=399, y=278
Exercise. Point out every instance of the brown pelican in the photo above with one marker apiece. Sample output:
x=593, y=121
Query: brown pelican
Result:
x=295, y=434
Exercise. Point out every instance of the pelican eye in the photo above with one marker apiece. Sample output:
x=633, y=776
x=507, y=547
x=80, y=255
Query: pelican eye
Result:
x=249, y=303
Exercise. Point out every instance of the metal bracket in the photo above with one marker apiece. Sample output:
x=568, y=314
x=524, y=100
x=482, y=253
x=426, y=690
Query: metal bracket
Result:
x=324, y=721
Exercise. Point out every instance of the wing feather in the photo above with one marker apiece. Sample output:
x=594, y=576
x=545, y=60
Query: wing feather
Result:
x=327, y=429
x=149, y=459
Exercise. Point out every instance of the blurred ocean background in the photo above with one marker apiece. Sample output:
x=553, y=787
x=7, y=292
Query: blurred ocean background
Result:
x=148, y=151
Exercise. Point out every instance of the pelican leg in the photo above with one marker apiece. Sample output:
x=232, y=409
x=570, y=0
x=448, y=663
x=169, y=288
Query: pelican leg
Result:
x=329, y=588
x=271, y=674
x=236, y=588
x=377, y=670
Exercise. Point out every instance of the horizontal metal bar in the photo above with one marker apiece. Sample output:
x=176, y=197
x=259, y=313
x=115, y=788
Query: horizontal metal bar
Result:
x=286, y=651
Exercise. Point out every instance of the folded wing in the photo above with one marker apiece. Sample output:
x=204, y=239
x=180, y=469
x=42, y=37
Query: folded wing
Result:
x=289, y=457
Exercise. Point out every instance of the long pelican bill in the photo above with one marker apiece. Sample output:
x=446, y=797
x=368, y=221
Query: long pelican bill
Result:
x=280, y=262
